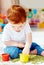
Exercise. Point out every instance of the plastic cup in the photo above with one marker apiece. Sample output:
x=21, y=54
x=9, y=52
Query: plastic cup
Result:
x=5, y=57
x=24, y=58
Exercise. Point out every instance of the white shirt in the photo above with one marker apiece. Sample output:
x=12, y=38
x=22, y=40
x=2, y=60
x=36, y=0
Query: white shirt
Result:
x=10, y=34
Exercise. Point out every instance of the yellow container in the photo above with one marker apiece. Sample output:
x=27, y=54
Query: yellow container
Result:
x=41, y=25
x=24, y=58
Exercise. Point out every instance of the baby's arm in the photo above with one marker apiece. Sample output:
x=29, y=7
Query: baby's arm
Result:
x=26, y=49
x=13, y=43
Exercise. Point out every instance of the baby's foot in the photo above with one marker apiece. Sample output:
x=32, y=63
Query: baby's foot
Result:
x=42, y=53
x=34, y=52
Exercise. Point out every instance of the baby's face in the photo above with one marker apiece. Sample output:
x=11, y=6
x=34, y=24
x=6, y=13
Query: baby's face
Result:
x=18, y=27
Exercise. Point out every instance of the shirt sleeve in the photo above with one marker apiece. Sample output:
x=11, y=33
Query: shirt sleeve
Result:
x=28, y=29
x=5, y=35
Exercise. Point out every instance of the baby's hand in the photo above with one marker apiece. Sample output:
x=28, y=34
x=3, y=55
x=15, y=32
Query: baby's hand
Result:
x=26, y=51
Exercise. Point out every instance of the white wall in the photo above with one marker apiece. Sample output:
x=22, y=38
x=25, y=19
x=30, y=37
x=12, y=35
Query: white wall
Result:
x=5, y=4
x=38, y=37
x=32, y=3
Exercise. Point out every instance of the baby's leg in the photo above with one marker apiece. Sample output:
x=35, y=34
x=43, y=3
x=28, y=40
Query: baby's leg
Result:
x=42, y=53
x=13, y=51
x=36, y=49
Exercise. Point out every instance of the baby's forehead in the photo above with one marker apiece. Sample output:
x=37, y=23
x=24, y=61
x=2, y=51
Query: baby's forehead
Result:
x=20, y=24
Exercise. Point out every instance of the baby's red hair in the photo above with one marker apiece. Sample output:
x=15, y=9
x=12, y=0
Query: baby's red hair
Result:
x=16, y=14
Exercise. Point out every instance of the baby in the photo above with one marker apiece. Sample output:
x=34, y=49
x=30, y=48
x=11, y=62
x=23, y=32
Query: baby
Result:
x=17, y=34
